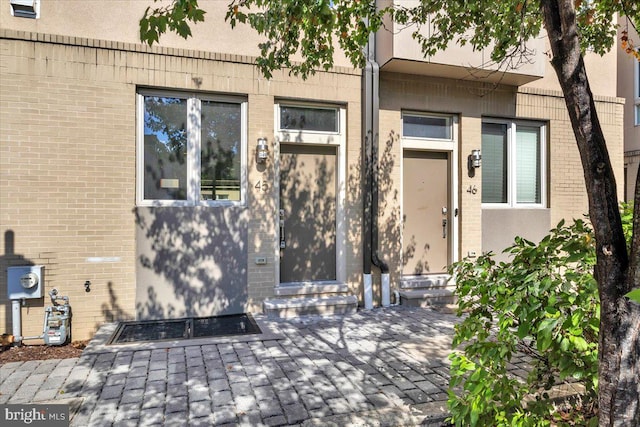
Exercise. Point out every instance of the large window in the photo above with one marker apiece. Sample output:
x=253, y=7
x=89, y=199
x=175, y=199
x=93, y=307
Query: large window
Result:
x=637, y=92
x=513, y=163
x=192, y=149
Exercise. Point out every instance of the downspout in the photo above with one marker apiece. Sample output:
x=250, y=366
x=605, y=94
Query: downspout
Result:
x=371, y=104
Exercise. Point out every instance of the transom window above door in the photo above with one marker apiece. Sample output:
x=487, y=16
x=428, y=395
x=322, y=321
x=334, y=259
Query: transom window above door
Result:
x=307, y=118
x=415, y=125
x=191, y=149
x=513, y=163
x=310, y=123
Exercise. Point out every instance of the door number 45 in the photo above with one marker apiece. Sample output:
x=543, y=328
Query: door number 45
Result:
x=262, y=186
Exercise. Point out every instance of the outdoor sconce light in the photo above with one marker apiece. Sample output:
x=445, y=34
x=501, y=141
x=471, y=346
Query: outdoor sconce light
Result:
x=262, y=150
x=476, y=158
x=474, y=161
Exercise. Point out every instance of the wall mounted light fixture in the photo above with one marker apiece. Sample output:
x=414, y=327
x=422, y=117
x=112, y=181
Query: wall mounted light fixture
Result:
x=476, y=158
x=474, y=161
x=262, y=150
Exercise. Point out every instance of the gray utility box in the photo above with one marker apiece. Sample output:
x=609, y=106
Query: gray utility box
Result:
x=25, y=282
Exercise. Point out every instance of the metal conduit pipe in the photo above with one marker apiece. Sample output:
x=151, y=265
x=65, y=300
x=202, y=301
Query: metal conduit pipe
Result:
x=16, y=320
x=371, y=104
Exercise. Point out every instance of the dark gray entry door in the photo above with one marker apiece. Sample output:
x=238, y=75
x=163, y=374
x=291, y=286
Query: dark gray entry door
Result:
x=308, y=180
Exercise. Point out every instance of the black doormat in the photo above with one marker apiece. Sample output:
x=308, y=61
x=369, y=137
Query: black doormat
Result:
x=180, y=329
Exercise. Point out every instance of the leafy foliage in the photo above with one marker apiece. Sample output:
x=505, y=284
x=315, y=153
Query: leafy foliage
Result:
x=308, y=28
x=543, y=304
x=626, y=213
x=302, y=36
x=174, y=17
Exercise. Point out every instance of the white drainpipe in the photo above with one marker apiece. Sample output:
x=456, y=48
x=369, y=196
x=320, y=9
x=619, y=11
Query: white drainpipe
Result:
x=385, y=290
x=368, y=292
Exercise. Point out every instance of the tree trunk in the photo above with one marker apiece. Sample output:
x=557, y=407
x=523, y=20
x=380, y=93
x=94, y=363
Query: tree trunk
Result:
x=619, y=347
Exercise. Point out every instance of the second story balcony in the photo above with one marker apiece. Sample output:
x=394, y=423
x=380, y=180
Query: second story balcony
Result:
x=398, y=51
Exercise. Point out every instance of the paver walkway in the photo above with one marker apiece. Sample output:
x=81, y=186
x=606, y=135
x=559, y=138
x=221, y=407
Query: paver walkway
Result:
x=378, y=367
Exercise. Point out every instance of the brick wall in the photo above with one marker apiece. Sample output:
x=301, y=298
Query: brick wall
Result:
x=567, y=193
x=471, y=101
x=68, y=153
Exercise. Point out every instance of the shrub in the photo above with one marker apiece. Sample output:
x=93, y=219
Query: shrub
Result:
x=542, y=303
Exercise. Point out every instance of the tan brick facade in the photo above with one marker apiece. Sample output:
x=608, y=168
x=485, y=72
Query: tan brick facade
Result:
x=69, y=153
x=567, y=195
x=68, y=172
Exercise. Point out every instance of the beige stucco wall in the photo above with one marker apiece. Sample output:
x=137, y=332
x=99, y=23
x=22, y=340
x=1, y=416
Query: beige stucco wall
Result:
x=68, y=170
x=118, y=20
x=600, y=71
x=398, y=51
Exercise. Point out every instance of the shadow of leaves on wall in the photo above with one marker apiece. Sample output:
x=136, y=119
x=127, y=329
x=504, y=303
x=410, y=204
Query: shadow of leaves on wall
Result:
x=392, y=228
x=113, y=311
x=191, y=261
x=308, y=200
x=409, y=253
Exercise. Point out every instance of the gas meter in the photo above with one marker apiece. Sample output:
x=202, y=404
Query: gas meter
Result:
x=57, y=320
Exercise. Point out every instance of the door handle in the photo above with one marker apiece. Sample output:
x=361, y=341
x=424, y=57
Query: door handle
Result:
x=283, y=242
x=444, y=222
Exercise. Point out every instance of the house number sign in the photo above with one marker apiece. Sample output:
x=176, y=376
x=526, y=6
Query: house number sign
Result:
x=262, y=186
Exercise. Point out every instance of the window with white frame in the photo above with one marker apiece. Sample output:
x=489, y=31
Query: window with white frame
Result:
x=192, y=149
x=309, y=118
x=637, y=93
x=415, y=125
x=25, y=8
x=513, y=163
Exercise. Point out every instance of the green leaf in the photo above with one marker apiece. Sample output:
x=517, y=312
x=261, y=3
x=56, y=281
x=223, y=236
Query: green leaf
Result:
x=523, y=330
x=579, y=343
x=634, y=295
x=577, y=256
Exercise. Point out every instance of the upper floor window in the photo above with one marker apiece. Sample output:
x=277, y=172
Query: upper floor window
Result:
x=192, y=149
x=637, y=93
x=513, y=163
x=426, y=126
x=25, y=8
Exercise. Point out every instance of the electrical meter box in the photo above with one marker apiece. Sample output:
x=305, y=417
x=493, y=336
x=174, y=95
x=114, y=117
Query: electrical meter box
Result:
x=25, y=282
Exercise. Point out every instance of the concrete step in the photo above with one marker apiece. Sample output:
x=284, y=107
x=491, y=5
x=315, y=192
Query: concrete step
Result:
x=311, y=289
x=322, y=306
x=421, y=282
x=438, y=298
